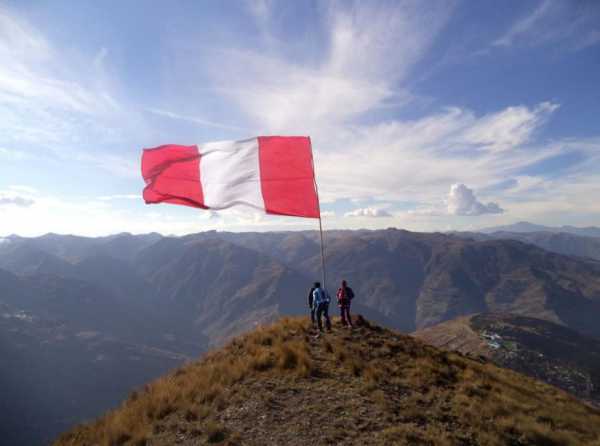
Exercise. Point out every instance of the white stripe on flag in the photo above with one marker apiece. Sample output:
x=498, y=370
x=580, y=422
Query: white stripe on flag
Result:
x=230, y=174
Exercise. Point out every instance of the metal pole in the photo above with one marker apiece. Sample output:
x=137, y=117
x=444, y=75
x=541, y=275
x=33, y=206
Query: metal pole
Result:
x=322, y=251
x=320, y=222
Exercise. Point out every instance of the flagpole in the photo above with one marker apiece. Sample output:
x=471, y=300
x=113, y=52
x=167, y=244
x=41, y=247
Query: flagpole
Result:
x=322, y=250
x=320, y=222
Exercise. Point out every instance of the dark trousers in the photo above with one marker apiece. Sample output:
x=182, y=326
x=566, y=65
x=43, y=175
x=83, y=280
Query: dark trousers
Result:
x=345, y=314
x=323, y=310
x=313, y=315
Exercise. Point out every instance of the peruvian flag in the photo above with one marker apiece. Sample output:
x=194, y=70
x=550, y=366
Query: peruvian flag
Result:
x=270, y=173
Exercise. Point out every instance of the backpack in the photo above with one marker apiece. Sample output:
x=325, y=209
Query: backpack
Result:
x=349, y=293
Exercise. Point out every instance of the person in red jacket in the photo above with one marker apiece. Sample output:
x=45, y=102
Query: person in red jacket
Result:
x=344, y=298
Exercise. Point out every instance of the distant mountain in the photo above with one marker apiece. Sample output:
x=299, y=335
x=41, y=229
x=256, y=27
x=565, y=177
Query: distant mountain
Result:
x=559, y=242
x=278, y=385
x=183, y=295
x=221, y=288
x=540, y=349
x=524, y=226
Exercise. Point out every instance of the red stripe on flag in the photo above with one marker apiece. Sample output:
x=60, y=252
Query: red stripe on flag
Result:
x=172, y=175
x=287, y=176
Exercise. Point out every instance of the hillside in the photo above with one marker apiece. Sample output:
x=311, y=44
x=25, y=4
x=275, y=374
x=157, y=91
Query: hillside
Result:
x=279, y=385
x=541, y=349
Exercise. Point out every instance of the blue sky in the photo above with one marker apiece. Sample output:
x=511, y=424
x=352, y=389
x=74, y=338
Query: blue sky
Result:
x=424, y=115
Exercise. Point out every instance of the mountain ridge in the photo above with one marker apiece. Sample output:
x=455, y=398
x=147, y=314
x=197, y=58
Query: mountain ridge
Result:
x=524, y=226
x=280, y=385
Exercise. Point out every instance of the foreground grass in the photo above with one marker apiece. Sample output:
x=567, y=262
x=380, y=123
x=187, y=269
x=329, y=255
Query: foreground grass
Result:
x=278, y=385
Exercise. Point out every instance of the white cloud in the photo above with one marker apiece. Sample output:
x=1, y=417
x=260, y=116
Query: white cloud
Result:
x=15, y=201
x=368, y=212
x=462, y=201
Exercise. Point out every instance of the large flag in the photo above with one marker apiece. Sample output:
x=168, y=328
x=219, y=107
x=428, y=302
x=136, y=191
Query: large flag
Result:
x=271, y=173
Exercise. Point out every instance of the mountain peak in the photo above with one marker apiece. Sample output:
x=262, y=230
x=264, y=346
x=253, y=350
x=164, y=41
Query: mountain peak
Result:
x=281, y=385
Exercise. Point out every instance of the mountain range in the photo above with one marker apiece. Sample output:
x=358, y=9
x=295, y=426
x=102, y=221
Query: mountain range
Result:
x=175, y=297
x=523, y=226
x=559, y=242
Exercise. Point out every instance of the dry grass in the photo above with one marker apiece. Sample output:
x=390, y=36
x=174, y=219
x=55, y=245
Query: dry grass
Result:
x=369, y=385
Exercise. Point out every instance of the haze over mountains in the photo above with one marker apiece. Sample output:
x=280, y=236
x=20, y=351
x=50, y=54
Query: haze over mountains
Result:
x=121, y=304
x=523, y=226
x=568, y=240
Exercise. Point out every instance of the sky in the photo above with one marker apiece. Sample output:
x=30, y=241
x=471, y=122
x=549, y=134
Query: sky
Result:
x=450, y=115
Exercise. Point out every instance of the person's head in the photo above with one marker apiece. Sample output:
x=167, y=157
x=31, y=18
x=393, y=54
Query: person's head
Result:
x=344, y=284
x=317, y=284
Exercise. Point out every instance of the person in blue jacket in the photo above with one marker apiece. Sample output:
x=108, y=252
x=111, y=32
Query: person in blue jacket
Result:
x=311, y=306
x=321, y=301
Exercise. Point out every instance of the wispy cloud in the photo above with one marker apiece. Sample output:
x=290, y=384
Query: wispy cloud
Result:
x=359, y=71
x=50, y=96
x=572, y=25
x=194, y=119
x=525, y=24
x=510, y=127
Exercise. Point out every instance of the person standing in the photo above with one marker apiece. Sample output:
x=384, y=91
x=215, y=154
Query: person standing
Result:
x=311, y=306
x=344, y=298
x=321, y=301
